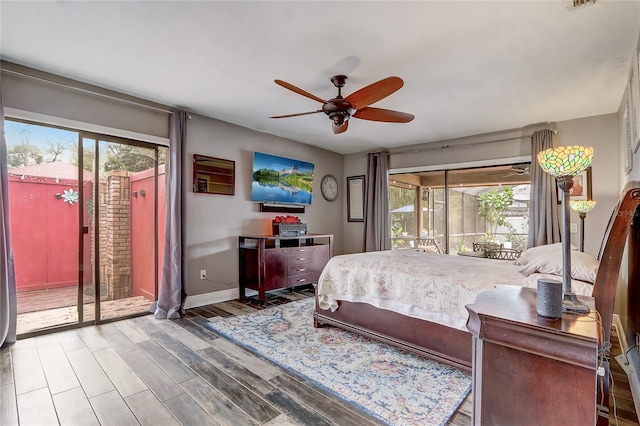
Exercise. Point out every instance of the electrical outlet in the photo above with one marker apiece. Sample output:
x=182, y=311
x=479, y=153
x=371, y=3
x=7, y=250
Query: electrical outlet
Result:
x=574, y=227
x=203, y=274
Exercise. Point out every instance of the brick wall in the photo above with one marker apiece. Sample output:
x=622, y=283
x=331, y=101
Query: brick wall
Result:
x=118, y=241
x=115, y=236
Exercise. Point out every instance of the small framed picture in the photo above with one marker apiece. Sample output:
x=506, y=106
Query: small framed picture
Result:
x=213, y=175
x=355, y=198
x=581, y=189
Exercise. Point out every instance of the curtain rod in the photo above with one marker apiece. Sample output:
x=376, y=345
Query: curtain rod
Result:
x=91, y=92
x=466, y=145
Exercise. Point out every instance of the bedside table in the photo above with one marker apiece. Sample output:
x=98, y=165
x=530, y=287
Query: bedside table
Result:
x=528, y=370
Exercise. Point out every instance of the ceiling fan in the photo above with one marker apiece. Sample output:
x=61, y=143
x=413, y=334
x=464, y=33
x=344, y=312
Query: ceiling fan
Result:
x=340, y=109
x=518, y=170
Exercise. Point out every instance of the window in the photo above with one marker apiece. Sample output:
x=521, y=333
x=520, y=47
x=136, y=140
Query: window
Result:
x=458, y=208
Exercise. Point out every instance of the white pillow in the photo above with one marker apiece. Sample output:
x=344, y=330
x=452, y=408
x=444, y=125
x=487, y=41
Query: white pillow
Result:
x=547, y=259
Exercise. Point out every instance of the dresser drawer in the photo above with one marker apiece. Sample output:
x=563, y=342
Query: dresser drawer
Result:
x=300, y=258
x=299, y=269
x=302, y=279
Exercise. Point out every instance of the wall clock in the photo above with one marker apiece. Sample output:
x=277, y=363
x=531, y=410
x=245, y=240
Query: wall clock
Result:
x=329, y=187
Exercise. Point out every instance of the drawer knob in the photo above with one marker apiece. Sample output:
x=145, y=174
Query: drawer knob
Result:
x=301, y=280
x=300, y=258
x=302, y=269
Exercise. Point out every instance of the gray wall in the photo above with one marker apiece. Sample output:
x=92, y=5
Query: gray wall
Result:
x=214, y=222
x=54, y=98
x=601, y=132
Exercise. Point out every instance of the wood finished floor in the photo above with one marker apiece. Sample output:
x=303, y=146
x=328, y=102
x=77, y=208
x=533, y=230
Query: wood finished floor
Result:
x=42, y=309
x=149, y=372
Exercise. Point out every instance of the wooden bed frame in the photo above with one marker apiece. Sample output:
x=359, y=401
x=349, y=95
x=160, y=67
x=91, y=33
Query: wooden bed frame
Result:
x=454, y=346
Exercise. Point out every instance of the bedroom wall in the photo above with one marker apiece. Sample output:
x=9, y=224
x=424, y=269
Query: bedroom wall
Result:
x=625, y=176
x=600, y=132
x=507, y=146
x=214, y=222
x=35, y=95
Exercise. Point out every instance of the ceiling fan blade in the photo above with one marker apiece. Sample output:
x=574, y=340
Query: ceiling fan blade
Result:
x=380, y=114
x=297, y=114
x=340, y=129
x=374, y=92
x=298, y=90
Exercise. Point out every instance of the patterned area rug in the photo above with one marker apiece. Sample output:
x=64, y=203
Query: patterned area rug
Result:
x=394, y=386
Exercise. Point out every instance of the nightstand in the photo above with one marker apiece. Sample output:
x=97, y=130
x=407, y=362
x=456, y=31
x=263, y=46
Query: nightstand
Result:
x=528, y=370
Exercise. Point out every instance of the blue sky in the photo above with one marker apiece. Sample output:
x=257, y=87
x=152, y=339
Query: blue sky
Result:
x=16, y=133
x=268, y=161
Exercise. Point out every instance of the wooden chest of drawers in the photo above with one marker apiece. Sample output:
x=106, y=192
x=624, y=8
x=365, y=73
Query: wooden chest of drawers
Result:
x=272, y=262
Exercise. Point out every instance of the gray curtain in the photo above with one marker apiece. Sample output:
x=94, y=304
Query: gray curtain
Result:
x=377, y=229
x=172, y=291
x=8, y=304
x=544, y=225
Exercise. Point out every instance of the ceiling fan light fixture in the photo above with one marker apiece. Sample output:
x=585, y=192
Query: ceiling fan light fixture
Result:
x=339, y=117
x=340, y=109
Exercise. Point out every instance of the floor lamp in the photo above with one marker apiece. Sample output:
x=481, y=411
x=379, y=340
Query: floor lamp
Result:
x=564, y=163
x=582, y=207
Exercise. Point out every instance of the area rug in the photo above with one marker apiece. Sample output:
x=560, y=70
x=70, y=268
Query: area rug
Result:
x=392, y=385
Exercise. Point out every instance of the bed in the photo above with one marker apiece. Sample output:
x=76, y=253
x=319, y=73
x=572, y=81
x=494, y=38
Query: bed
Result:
x=428, y=332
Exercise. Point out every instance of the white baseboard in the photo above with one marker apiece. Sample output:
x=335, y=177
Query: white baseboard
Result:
x=214, y=297
x=626, y=364
x=620, y=330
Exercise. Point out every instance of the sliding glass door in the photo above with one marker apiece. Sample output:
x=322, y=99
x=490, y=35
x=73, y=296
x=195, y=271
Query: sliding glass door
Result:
x=85, y=212
x=126, y=196
x=457, y=209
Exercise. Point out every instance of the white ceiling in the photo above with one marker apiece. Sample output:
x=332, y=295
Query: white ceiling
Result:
x=468, y=67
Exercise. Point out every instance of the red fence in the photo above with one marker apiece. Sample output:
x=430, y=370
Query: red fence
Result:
x=44, y=231
x=45, y=226
x=142, y=230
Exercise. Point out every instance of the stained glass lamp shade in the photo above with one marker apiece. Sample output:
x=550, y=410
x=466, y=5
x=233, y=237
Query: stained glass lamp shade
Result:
x=564, y=163
x=565, y=160
x=582, y=206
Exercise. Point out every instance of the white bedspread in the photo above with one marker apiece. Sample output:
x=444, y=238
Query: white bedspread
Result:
x=430, y=286
x=414, y=283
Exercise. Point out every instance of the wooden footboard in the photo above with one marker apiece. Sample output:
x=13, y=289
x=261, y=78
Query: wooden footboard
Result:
x=425, y=338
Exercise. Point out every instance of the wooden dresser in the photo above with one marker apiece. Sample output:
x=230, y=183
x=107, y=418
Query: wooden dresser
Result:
x=271, y=262
x=528, y=370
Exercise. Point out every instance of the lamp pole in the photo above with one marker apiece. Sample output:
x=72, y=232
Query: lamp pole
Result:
x=564, y=184
x=570, y=302
x=582, y=216
x=564, y=163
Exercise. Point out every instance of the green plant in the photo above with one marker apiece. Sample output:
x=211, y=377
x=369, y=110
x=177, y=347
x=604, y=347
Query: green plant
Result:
x=492, y=206
x=396, y=231
x=518, y=241
x=486, y=238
